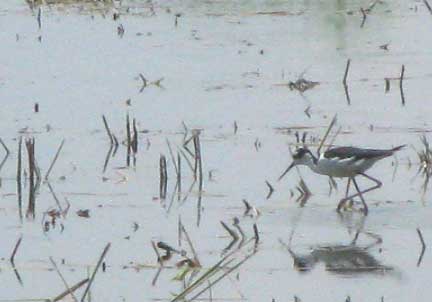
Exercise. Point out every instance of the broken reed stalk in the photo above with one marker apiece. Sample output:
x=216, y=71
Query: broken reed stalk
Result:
x=163, y=177
x=271, y=189
x=107, y=157
x=198, y=160
x=423, y=247
x=195, y=255
x=38, y=176
x=110, y=136
x=332, y=123
x=18, y=178
x=39, y=17
x=71, y=290
x=364, y=17
x=421, y=239
x=5, y=147
x=187, y=160
x=128, y=140
x=63, y=279
x=55, y=197
x=172, y=156
x=428, y=6
x=387, y=85
x=199, y=202
x=116, y=143
x=334, y=138
x=401, y=85
x=344, y=81
x=4, y=158
x=231, y=232
x=101, y=258
x=229, y=271
x=159, y=260
x=17, y=245
x=255, y=228
x=242, y=234
x=54, y=159
x=210, y=272
x=32, y=167
x=179, y=174
x=135, y=137
x=144, y=82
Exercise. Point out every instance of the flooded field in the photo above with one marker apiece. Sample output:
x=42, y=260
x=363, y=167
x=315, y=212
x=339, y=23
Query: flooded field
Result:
x=133, y=131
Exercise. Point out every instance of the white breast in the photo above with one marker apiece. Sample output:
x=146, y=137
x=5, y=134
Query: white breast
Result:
x=346, y=167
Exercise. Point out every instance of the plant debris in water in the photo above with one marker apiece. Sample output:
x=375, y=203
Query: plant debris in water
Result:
x=302, y=85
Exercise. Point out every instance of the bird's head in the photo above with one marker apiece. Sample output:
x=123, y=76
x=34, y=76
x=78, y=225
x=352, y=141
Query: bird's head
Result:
x=301, y=156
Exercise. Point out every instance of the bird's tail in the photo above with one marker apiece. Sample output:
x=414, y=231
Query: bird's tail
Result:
x=398, y=148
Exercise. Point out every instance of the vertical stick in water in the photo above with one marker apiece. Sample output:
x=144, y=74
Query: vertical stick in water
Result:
x=401, y=85
x=163, y=177
x=18, y=179
x=198, y=159
x=101, y=258
x=110, y=136
x=179, y=174
x=198, y=169
x=128, y=136
x=135, y=137
x=344, y=82
x=31, y=158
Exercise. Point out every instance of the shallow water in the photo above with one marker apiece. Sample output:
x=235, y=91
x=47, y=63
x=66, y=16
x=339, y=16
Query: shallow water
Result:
x=224, y=64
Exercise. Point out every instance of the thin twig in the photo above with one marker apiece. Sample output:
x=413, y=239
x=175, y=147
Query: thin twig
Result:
x=18, y=243
x=401, y=85
x=187, y=159
x=54, y=160
x=159, y=260
x=18, y=179
x=364, y=17
x=129, y=139
x=63, y=279
x=344, y=82
x=71, y=290
x=191, y=245
x=256, y=234
x=332, y=123
x=421, y=238
x=229, y=271
x=231, y=232
x=108, y=129
x=334, y=138
x=172, y=156
x=423, y=247
x=428, y=6
x=4, y=146
x=102, y=256
x=179, y=175
x=271, y=189
x=163, y=177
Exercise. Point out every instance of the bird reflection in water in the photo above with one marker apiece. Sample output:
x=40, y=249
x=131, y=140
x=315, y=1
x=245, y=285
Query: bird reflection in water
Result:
x=342, y=258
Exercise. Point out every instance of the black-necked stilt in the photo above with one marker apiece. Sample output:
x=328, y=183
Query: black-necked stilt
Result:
x=343, y=162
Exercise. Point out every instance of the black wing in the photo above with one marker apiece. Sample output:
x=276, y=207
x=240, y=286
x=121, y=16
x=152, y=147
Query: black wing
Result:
x=357, y=153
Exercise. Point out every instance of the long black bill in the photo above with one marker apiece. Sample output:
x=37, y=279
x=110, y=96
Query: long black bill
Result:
x=286, y=171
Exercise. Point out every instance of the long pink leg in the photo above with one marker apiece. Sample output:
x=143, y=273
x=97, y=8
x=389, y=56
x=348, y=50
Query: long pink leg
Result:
x=365, y=207
x=378, y=184
x=346, y=195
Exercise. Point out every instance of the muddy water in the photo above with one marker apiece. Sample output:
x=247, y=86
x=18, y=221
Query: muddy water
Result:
x=224, y=63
